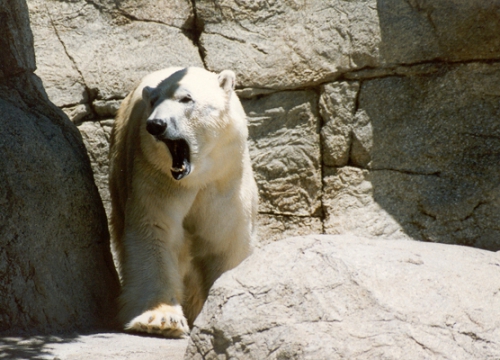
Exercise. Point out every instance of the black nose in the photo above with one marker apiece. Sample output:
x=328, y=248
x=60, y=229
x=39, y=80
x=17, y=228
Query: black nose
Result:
x=156, y=126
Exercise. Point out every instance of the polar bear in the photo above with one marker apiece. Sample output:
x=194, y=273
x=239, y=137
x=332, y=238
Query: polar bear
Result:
x=183, y=195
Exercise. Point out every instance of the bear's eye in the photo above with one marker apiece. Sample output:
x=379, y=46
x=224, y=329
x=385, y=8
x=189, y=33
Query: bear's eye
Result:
x=186, y=98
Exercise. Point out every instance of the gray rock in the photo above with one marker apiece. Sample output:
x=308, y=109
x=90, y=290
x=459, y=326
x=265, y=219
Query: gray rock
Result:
x=343, y=297
x=111, y=47
x=107, y=126
x=277, y=227
x=285, y=151
x=176, y=13
x=416, y=31
x=435, y=155
x=62, y=80
x=284, y=45
x=426, y=148
x=56, y=271
x=96, y=140
x=78, y=113
x=92, y=347
x=351, y=208
x=106, y=108
x=17, y=54
x=338, y=108
x=380, y=74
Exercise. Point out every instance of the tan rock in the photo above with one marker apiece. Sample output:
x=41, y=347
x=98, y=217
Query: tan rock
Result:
x=350, y=206
x=277, y=227
x=176, y=13
x=96, y=141
x=337, y=106
x=289, y=44
x=61, y=78
x=283, y=45
x=109, y=50
x=78, y=113
x=285, y=151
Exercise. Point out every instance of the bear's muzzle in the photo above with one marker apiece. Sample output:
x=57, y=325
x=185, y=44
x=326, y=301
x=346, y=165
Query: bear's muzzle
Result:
x=179, y=148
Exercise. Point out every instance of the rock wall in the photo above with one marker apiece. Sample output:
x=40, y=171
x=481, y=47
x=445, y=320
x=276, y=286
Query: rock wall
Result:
x=371, y=117
x=56, y=271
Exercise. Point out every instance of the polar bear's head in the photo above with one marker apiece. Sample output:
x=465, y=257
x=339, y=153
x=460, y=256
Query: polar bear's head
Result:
x=188, y=112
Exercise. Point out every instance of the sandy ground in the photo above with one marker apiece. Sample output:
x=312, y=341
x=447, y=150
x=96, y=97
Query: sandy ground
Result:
x=90, y=347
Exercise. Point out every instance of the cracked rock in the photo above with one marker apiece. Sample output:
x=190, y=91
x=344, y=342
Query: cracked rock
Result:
x=285, y=151
x=78, y=112
x=435, y=160
x=109, y=50
x=106, y=108
x=96, y=140
x=311, y=41
x=277, y=227
x=351, y=208
x=346, y=297
x=338, y=110
x=177, y=13
x=61, y=79
x=316, y=41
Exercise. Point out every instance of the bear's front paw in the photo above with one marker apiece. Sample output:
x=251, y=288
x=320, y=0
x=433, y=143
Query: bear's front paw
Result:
x=165, y=320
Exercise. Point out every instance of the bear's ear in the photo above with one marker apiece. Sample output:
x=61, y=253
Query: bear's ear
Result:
x=227, y=79
x=147, y=94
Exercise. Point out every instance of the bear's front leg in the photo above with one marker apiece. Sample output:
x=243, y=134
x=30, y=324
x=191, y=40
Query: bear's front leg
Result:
x=154, y=256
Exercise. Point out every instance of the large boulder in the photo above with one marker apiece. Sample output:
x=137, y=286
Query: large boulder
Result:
x=345, y=297
x=56, y=271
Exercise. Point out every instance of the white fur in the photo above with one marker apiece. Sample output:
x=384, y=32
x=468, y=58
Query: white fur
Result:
x=175, y=237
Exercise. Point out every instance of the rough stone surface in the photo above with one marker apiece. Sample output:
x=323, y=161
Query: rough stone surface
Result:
x=377, y=81
x=435, y=158
x=289, y=44
x=105, y=47
x=17, y=40
x=106, y=108
x=100, y=346
x=277, y=227
x=344, y=297
x=176, y=13
x=78, y=113
x=427, y=150
x=56, y=271
x=350, y=206
x=459, y=30
x=285, y=151
x=64, y=83
x=342, y=129
x=391, y=132
x=96, y=140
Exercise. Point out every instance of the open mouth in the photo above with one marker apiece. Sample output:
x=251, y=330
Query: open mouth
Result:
x=179, y=149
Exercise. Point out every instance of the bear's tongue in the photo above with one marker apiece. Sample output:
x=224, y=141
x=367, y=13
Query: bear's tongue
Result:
x=179, y=149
